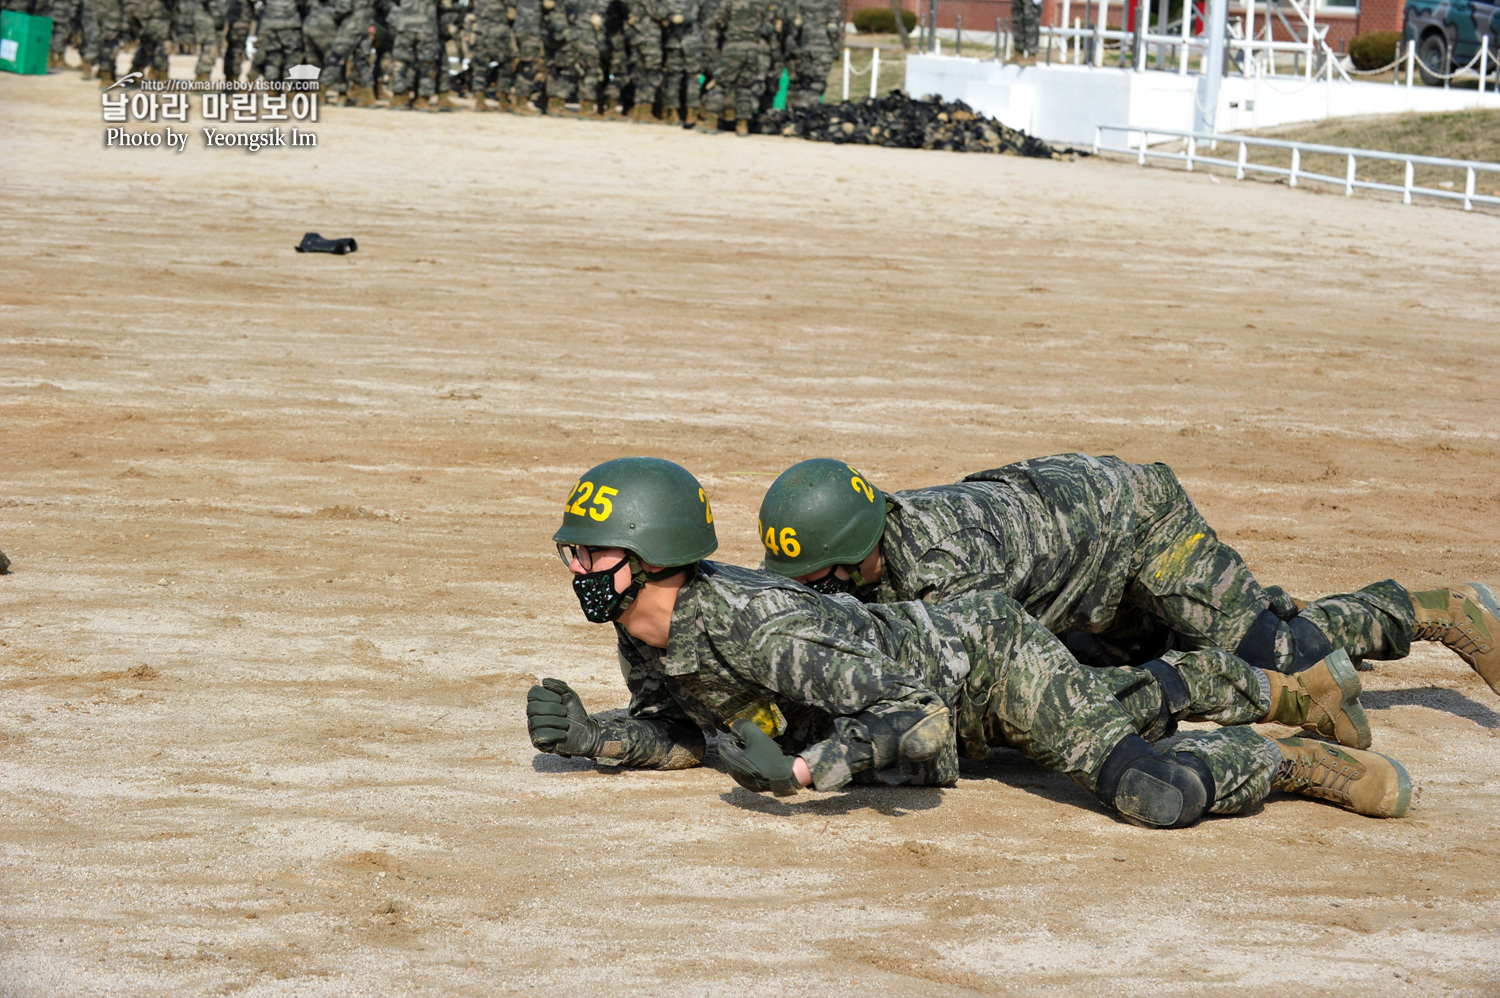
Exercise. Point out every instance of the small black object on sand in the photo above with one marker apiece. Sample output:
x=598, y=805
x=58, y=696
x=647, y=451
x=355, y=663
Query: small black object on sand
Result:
x=314, y=243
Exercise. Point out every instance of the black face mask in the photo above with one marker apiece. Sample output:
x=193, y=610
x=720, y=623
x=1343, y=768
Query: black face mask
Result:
x=596, y=594
x=831, y=584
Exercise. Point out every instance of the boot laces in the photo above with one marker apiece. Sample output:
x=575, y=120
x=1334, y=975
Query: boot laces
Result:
x=1326, y=777
x=1460, y=634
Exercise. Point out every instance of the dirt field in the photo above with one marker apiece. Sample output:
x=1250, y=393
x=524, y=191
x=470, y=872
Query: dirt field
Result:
x=282, y=574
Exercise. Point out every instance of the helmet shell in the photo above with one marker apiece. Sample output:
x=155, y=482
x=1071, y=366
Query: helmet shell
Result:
x=820, y=513
x=644, y=504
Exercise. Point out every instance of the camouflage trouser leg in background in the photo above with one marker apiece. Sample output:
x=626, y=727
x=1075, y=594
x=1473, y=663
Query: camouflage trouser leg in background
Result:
x=1202, y=589
x=742, y=79
x=810, y=77
x=209, y=32
x=493, y=60
x=645, y=46
x=110, y=21
x=153, y=26
x=65, y=16
x=239, y=18
x=414, y=56
x=531, y=70
x=278, y=50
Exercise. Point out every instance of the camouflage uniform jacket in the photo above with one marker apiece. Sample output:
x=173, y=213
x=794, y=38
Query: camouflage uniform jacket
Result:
x=1056, y=534
x=809, y=669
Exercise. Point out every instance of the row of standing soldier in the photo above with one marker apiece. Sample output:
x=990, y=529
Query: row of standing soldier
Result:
x=677, y=60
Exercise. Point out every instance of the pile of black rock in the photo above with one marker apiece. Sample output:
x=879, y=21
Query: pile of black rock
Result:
x=902, y=122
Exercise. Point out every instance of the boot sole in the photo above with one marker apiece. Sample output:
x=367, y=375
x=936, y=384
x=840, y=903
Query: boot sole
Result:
x=1403, y=785
x=1487, y=600
x=1342, y=670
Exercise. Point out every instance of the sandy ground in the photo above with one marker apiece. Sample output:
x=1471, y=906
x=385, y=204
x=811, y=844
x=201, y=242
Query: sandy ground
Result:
x=281, y=525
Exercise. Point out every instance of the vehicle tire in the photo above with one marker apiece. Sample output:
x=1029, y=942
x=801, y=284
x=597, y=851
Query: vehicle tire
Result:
x=1432, y=58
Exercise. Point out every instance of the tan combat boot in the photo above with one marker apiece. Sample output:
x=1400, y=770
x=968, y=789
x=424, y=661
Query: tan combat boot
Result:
x=1323, y=699
x=479, y=102
x=742, y=128
x=503, y=99
x=1466, y=619
x=1363, y=782
x=556, y=105
x=670, y=116
x=363, y=96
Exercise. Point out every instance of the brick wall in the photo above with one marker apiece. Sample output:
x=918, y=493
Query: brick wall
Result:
x=1381, y=15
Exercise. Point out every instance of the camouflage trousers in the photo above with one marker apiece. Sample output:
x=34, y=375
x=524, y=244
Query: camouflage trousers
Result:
x=1188, y=589
x=151, y=23
x=276, y=51
x=808, y=75
x=493, y=59
x=739, y=80
x=66, y=26
x=531, y=71
x=102, y=45
x=351, y=48
x=683, y=54
x=646, y=56
x=415, y=54
x=1025, y=691
x=208, y=30
x=239, y=18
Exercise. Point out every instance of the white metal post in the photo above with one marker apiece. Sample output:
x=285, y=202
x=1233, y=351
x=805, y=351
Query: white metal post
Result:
x=1099, y=33
x=1067, y=8
x=1239, y=171
x=1250, y=34
x=1406, y=188
x=1208, y=111
x=874, y=74
x=1484, y=62
x=1192, y=149
x=846, y=74
x=1469, y=189
x=1411, y=58
x=1187, y=23
x=1349, y=177
x=1140, y=158
x=1296, y=165
x=1312, y=34
x=1077, y=41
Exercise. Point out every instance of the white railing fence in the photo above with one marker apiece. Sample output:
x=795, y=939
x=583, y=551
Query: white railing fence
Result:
x=1191, y=154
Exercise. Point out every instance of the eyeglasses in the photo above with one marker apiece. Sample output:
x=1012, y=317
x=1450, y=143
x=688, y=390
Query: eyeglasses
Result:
x=584, y=555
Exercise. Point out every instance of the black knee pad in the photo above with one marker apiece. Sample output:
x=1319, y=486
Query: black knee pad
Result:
x=1153, y=790
x=1308, y=645
x=1174, y=689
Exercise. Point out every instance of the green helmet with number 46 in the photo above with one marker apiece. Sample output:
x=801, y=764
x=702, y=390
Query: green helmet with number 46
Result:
x=819, y=513
x=647, y=505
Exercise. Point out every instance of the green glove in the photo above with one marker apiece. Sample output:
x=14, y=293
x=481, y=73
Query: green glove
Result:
x=755, y=761
x=557, y=722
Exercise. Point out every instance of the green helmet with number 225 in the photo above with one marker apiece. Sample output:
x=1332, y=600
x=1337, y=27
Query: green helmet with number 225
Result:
x=647, y=505
x=819, y=513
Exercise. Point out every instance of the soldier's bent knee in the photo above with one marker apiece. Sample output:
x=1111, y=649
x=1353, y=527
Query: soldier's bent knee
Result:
x=1152, y=790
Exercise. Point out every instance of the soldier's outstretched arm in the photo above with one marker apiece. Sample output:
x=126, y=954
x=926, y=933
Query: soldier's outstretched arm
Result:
x=884, y=717
x=558, y=723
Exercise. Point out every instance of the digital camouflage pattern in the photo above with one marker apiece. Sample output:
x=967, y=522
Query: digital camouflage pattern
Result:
x=417, y=48
x=1114, y=551
x=742, y=34
x=820, y=674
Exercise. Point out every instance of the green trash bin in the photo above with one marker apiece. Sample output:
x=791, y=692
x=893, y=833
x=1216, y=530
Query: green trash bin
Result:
x=24, y=42
x=780, y=102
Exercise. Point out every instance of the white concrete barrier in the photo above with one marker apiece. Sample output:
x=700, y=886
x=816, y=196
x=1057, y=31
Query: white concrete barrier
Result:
x=1063, y=103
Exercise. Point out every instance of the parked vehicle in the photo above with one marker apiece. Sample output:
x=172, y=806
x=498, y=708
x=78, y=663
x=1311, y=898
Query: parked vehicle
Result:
x=1448, y=34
